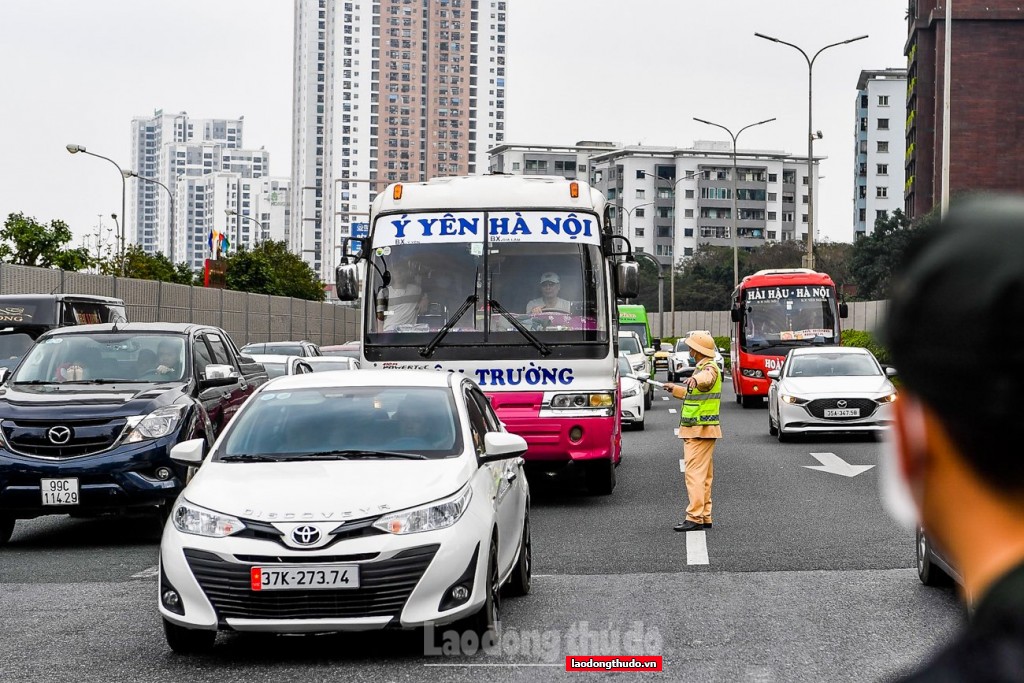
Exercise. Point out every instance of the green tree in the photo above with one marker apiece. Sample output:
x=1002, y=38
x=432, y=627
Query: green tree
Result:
x=834, y=258
x=270, y=268
x=878, y=255
x=136, y=263
x=27, y=242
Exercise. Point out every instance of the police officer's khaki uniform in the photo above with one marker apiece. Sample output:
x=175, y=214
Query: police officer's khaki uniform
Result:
x=700, y=429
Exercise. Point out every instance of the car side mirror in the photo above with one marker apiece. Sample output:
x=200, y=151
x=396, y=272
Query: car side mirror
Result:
x=218, y=376
x=648, y=352
x=844, y=310
x=656, y=343
x=890, y=371
x=502, y=446
x=774, y=374
x=4, y=374
x=643, y=375
x=189, y=452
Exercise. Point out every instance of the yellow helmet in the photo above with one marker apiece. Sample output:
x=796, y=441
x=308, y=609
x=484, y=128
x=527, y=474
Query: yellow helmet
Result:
x=701, y=342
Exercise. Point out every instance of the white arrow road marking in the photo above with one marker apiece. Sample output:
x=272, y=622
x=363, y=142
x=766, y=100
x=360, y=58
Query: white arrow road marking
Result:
x=148, y=573
x=696, y=547
x=832, y=463
x=671, y=410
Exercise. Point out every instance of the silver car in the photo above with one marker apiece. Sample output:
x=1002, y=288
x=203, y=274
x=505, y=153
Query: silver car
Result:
x=833, y=389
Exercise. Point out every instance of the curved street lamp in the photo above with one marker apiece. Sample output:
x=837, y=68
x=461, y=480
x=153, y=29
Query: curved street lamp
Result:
x=75, y=149
x=264, y=230
x=735, y=215
x=128, y=173
x=811, y=135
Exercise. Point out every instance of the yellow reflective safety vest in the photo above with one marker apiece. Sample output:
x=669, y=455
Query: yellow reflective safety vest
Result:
x=702, y=408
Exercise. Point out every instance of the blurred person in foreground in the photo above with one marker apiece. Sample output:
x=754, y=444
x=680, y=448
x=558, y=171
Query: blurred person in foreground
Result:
x=952, y=462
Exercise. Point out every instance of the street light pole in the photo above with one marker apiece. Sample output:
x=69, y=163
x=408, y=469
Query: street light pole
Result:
x=811, y=135
x=661, y=290
x=128, y=173
x=735, y=214
x=628, y=213
x=264, y=230
x=75, y=149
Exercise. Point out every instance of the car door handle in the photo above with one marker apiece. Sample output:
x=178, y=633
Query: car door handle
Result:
x=226, y=394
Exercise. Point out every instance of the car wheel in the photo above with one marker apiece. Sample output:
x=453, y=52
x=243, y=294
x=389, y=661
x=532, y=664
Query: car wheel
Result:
x=781, y=434
x=639, y=426
x=648, y=399
x=488, y=616
x=600, y=476
x=187, y=641
x=6, y=528
x=772, y=430
x=522, y=575
x=929, y=572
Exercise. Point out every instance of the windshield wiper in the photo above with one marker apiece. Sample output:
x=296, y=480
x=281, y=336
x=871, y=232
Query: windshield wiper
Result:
x=250, y=457
x=37, y=381
x=541, y=346
x=353, y=454
x=428, y=350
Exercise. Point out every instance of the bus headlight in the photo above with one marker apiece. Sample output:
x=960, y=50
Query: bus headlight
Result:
x=752, y=372
x=571, y=401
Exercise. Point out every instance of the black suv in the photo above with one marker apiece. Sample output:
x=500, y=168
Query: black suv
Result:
x=88, y=419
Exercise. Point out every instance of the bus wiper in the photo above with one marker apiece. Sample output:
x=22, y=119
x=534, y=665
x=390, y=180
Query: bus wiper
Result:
x=428, y=350
x=541, y=346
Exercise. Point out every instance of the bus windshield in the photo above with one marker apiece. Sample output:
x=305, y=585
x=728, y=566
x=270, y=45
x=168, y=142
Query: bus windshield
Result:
x=788, y=316
x=492, y=290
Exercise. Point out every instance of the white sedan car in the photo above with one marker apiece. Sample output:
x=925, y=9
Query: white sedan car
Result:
x=348, y=501
x=632, y=391
x=277, y=365
x=833, y=389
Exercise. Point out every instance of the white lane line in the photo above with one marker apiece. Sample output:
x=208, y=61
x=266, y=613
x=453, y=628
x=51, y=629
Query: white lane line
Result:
x=665, y=398
x=148, y=573
x=696, y=547
x=671, y=410
x=682, y=465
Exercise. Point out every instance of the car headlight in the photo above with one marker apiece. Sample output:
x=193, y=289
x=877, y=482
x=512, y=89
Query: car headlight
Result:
x=440, y=515
x=888, y=398
x=192, y=519
x=628, y=393
x=749, y=372
x=794, y=400
x=159, y=423
x=572, y=401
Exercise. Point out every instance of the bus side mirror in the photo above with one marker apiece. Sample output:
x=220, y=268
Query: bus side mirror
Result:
x=346, y=282
x=735, y=313
x=627, y=279
x=844, y=310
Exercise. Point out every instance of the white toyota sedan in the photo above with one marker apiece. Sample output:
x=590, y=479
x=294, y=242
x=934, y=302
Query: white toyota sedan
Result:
x=833, y=389
x=348, y=501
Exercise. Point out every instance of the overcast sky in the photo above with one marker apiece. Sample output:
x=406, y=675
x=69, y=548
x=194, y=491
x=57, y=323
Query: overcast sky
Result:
x=77, y=71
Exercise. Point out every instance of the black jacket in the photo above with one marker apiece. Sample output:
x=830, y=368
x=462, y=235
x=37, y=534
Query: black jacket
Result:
x=991, y=647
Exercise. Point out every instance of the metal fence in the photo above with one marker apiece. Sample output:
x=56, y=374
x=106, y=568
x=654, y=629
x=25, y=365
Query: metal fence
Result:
x=864, y=315
x=246, y=317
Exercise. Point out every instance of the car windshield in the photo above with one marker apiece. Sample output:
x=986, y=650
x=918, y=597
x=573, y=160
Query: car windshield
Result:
x=624, y=367
x=681, y=347
x=274, y=369
x=342, y=351
x=833, y=365
x=13, y=346
x=104, y=357
x=328, y=421
x=328, y=364
x=629, y=345
x=285, y=350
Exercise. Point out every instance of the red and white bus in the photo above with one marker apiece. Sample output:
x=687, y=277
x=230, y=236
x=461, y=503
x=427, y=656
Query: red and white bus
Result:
x=774, y=311
x=511, y=280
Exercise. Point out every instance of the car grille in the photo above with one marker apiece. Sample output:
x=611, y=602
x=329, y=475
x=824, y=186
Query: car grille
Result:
x=384, y=587
x=356, y=528
x=30, y=437
x=817, y=407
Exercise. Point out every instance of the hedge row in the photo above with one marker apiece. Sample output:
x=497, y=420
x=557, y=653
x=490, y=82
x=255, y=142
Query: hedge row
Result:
x=866, y=340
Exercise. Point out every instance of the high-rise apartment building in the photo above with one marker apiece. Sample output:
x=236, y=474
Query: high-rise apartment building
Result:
x=879, y=139
x=421, y=95
x=149, y=206
x=669, y=200
x=986, y=100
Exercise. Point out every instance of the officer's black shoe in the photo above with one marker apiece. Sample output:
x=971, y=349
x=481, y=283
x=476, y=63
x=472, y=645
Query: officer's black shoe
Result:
x=688, y=525
x=707, y=525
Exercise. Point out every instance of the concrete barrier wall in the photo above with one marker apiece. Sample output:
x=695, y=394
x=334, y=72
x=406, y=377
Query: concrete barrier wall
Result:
x=864, y=315
x=246, y=317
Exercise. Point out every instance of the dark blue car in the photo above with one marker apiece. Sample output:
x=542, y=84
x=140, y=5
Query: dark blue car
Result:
x=88, y=419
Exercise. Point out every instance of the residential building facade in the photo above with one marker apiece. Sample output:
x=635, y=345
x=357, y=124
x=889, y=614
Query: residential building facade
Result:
x=422, y=94
x=572, y=161
x=986, y=99
x=879, y=139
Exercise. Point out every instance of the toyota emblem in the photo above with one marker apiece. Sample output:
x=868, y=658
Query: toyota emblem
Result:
x=841, y=403
x=59, y=435
x=306, y=535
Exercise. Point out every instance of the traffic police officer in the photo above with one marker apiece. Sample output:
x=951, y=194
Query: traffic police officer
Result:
x=699, y=428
